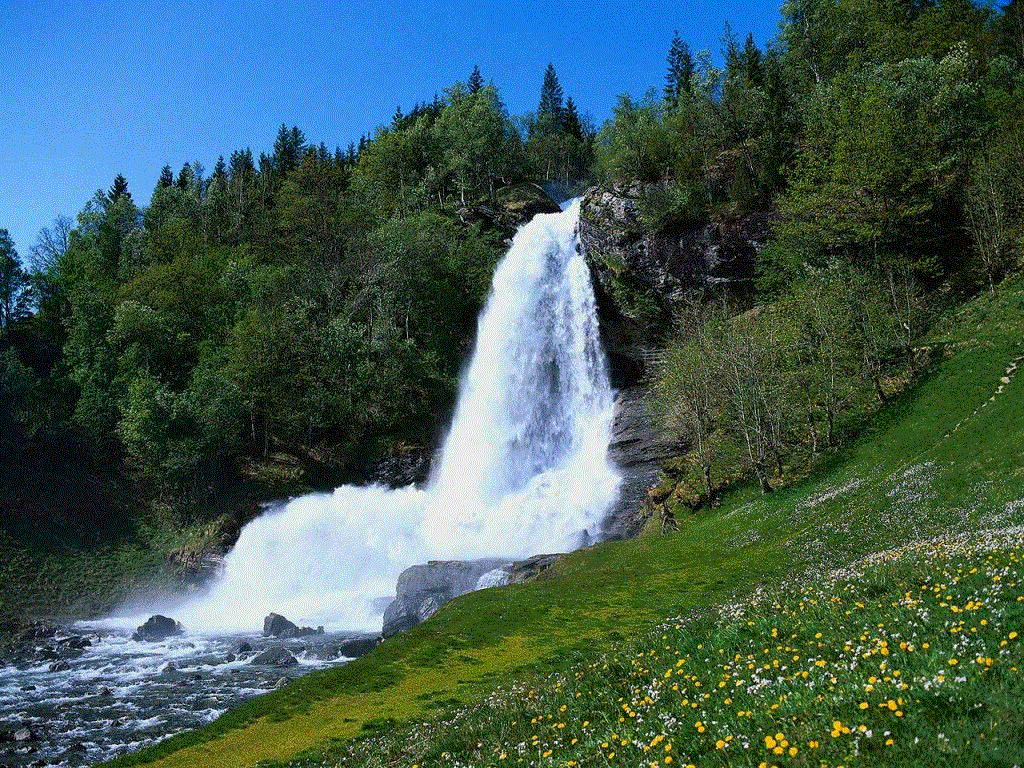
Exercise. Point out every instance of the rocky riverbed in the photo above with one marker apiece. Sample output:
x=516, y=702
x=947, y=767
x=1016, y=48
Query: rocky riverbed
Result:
x=74, y=696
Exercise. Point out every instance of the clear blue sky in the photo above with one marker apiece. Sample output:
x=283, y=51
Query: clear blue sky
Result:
x=90, y=90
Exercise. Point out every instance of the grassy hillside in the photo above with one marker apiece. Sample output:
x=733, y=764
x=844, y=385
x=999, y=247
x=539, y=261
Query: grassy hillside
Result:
x=945, y=460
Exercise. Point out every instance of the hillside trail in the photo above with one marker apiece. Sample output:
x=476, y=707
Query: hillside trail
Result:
x=1008, y=376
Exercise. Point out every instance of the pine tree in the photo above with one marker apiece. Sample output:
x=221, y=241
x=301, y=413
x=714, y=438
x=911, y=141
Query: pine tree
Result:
x=752, y=63
x=220, y=169
x=476, y=80
x=396, y=119
x=571, y=120
x=680, y=71
x=184, y=177
x=550, y=107
x=118, y=189
x=166, y=177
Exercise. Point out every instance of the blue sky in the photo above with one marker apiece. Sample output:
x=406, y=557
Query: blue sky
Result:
x=90, y=90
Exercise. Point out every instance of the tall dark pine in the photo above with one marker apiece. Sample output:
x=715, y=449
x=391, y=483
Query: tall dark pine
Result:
x=289, y=147
x=166, y=177
x=680, y=70
x=550, y=108
x=571, y=119
x=476, y=80
x=119, y=189
x=753, y=62
x=185, y=177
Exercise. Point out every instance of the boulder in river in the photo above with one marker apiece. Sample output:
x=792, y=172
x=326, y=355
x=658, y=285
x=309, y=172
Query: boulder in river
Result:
x=157, y=628
x=275, y=624
x=24, y=734
x=275, y=657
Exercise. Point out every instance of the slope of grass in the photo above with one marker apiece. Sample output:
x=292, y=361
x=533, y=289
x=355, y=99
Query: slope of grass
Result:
x=908, y=477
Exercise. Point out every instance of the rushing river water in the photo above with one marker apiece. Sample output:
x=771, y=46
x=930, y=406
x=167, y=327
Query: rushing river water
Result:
x=120, y=694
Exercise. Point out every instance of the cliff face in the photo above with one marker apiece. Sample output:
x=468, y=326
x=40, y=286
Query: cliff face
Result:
x=641, y=277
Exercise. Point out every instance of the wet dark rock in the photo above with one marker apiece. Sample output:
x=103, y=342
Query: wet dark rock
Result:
x=105, y=692
x=638, y=448
x=423, y=589
x=170, y=666
x=229, y=658
x=243, y=648
x=275, y=624
x=24, y=734
x=157, y=628
x=28, y=687
x=643, y=276
x=407, y=465
x=275, y=657
x=357, y=646
x=525, y=571
x=47, y=654
x=281, y=682
x=59, y=666
x=293, y=632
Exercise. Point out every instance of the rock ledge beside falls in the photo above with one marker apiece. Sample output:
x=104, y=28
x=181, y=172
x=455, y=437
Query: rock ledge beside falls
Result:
x=423, y=589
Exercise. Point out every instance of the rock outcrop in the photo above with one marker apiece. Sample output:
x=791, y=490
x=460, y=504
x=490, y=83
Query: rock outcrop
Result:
x=158, y=628
x=423, y=589
x=355, y=647
x=274, y=624
x=641, y=277
x=638, y=447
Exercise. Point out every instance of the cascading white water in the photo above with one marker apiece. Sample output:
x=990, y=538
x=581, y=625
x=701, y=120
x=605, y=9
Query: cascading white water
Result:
x=523, y=471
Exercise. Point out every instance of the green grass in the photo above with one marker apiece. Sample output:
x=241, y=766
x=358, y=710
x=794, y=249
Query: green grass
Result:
x=912, y=658
x=907, y=478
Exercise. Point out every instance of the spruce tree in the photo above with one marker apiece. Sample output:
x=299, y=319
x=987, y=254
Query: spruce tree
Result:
x=184, y=177
x=166, y=177
x=550, y=108
x=680, y=70
x=571, y=120
x=476, y=80
x=119, y=189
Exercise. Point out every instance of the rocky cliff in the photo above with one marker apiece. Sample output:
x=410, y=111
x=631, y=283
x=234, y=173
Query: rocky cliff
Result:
x=642, y=276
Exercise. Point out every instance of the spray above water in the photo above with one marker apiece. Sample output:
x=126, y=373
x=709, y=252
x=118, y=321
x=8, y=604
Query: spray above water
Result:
x=523, y=471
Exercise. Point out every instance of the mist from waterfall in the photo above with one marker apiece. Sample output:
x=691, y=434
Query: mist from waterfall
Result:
x=523, y=470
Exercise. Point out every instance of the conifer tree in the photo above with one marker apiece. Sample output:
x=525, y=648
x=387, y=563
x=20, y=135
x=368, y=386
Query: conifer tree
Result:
x=118, y=189
x=680, y=70
x=476, y=80
x=550, y=107
x=571, y=120
x=185, y=177
x=166, y=177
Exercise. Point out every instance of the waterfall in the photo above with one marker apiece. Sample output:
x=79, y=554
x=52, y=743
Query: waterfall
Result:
x=523, y=470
